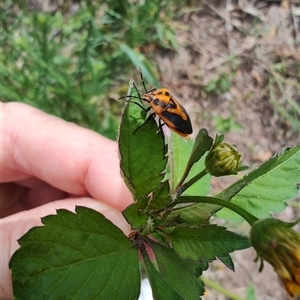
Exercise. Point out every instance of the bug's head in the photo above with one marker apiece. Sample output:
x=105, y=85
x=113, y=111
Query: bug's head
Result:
x=162, y=95
x=148, y=97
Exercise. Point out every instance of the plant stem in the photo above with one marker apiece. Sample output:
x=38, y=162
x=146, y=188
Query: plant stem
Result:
x=217, y=287
x=217, y=201
x=181, y=188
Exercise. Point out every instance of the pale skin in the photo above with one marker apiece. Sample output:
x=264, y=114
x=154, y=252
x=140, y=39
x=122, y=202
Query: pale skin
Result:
x=48, y=164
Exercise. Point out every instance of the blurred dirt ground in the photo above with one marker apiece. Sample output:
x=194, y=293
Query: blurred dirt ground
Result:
x=250, y=39
x=240, y=43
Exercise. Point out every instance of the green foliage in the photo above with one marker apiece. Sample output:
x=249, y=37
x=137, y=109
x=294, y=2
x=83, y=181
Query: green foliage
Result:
x=265, y=190
x=78, y=256
x=87, y=249
x=285, y=101
x=205, y=242
x=225, y=125
x=138, y=165
x=64, y=62
x=218, y=85
x=185, y=162
x=161, y=289
x=178, y=273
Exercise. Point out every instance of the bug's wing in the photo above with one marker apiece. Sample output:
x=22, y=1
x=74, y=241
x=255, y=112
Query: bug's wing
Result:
x=177, y=123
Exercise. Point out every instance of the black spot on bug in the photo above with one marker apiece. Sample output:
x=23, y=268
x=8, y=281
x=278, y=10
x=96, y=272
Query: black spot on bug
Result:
x=159, y=102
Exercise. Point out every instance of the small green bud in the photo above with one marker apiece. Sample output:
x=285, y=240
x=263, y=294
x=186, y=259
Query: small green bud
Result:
x=277, y=243
x=223, y=159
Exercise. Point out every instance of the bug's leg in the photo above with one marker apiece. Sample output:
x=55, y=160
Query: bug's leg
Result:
x=160, y=125
x=125, y=97
x=138, y=91
x=152, y=90
x=146, y=121
x=140, y=105
x=142, y=79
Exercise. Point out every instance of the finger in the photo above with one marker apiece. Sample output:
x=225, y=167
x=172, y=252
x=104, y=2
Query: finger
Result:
x=17, y=197
x=66, y=156
x=14, y=226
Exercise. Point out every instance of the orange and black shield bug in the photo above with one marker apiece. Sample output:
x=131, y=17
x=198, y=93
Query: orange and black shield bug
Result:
x=167, y=108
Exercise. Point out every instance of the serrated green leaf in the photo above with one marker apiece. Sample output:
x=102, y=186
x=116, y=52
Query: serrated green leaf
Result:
x=194, y=214
x=134, y=214
x=265, y=190
x=160, y=197
x=208, y=242
x=202, y=144
x=160, y=289
x=198, y=213
x=180, y=154
x=75, y=256
x=180, y=150
x=177, y=273
x=227, y=261
x=142, y=151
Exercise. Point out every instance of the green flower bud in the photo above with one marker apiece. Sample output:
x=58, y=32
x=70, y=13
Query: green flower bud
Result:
x=277, y=243
x=223, y=159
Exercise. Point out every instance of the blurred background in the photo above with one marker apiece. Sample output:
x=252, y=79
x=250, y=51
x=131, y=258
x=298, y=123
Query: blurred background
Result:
x=234, y=65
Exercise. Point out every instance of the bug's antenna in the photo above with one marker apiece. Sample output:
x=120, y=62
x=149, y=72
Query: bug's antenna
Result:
x=142, y=78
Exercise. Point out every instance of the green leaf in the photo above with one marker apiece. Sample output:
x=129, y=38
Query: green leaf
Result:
x=184, y=156
x=227, y=261
x=198, y=213
x=208, y=242
x=160, y=198
x=142, y=150
x=75, y=256
x=202, y=144
x=160, y=289
x=264, y=190
x=194, y=214
x=178, y=273
x=180, y=150
x=134, y=214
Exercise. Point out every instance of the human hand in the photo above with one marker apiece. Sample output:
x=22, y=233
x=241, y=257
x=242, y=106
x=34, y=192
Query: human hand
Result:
x=48, y=164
